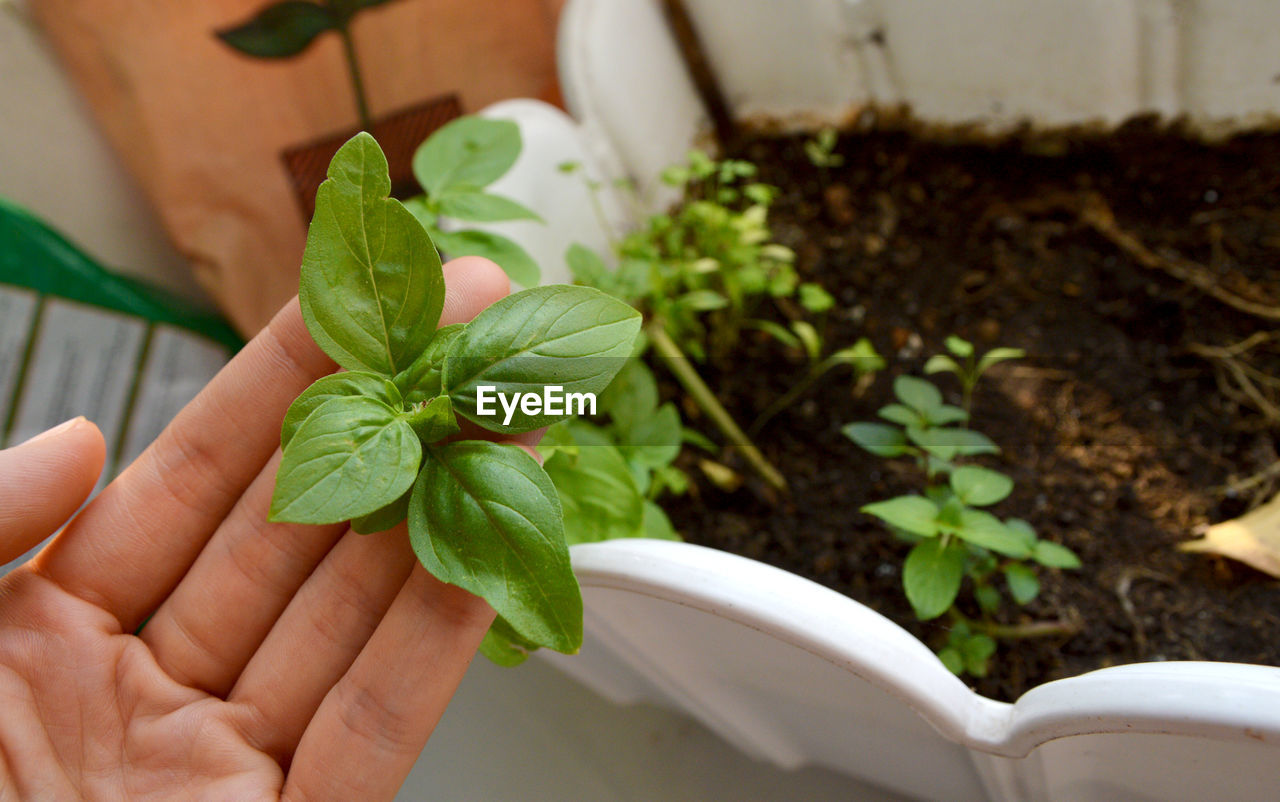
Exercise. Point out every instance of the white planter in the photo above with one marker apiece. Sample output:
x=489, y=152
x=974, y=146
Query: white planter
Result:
x=785, y=669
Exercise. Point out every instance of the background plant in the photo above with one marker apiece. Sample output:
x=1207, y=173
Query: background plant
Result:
x=700, y=275
x=285, y=29
x=954, y=536
x=375, y=444
x=456, y=165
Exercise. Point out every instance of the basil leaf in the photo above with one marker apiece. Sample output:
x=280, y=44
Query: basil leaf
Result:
x=350, y=457
x=980, y=486
x=504, y=646
x=1055, y=555
x=1024, y=586
x=572, y=337
x=656, y=523
x=421, y=380
x=918, y=394
x=336, y=385
x=281, y=30
x=931, y=577
x=513, y=259
x=485, y=517
x=984, y=529
x=598, y=495
x=470, y=151
x=631, y=397
x=372, y=288
x=878, y=438
x=655, y=440
x=382, y=519
x=482, y=207
x=915, y=514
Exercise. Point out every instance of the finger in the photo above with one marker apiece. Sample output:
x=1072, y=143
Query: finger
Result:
x=201, y=641
x=127, y=550
x=372, y=726
x=44, y=481
x=207, y=644
x=318, y=636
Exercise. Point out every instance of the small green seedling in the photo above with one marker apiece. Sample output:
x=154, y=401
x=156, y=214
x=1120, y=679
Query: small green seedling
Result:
x=456, y=165
x=971, y=367
x=377, y=443
x=820, y=150
x=954, y=536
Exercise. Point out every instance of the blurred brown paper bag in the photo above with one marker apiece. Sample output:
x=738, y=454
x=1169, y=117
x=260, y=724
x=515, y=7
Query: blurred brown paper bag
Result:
x=203, y=127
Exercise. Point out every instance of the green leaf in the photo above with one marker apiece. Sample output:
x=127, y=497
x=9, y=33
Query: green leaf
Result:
x=433, y=420
x=657, y=526
x=948, y=443
x=941, y=363
x=916, y=393
x=777, y=332
x=984, y=529
x=702, y=301
x=1023, y=584
x=586, y=266
x=513, y=259
x=878, y=438
x=980, y=486
x=960, y=347
x=350, y=457
x=951, y=658
x=988, y=598
x=901, y=415
x=421, y=380
x=815, y=299
x=931, y=577
x=1023, y=530
x=281, y=30
x=999, y=355
x=482, y=207
x=598, y=494
x=631, y=397
x=504, y=646
x=863, y=356
x=810, y=337
x=576, y=338
x=382, y=519
x=486, y=518
x=470, y=151
x=946, y=413
x=655, y=440
x=977, y=650
x=1055, y=555
x=336, y=385
x=372, y=288
x=915, y=514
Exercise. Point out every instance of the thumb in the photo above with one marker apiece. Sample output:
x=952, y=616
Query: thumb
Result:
x=44, y=481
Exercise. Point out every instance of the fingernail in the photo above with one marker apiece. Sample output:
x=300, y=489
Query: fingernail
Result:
x=56, y=430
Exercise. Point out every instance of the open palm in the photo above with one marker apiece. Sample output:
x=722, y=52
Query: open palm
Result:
x=276, y=660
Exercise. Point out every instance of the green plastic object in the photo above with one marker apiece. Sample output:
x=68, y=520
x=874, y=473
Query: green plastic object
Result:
x=35, y=256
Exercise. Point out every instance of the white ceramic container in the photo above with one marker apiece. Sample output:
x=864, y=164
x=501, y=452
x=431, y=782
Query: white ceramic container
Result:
x=785, y=669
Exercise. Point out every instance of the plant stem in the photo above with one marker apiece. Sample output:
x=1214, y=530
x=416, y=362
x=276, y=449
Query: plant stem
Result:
x=1035, y=629
x=688, y=377
x=788, y=398
x=357, y=83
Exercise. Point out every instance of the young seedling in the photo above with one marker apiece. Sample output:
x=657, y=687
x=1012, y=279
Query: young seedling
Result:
x=377, y=443
x=820, y=150
x=456, y=165
x=952, y=533
x=971, y=367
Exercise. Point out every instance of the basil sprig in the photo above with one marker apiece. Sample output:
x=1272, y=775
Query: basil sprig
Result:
x=371, y=444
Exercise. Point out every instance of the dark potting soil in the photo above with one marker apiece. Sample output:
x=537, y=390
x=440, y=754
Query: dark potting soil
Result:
x=1123, y=435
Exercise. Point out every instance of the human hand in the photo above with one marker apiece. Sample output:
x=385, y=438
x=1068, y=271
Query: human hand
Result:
x=278, y=660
